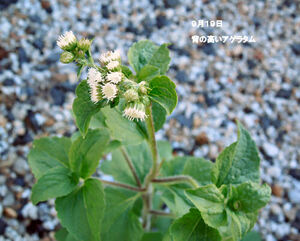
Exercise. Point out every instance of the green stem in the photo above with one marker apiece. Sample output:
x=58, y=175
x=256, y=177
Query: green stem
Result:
x=152, y=144
x=90, y=57
x=123, y=185
x=161, y=213
x=176, y=179
x=130, y=164
x=147, y=197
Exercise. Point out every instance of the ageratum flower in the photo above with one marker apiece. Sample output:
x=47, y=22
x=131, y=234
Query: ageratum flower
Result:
x=109, y=56
x=95, y=95
x=67, y=41
x=114, y=77
x=135, y=111
x=109, y=91
x=113, y=65
x=94, y=77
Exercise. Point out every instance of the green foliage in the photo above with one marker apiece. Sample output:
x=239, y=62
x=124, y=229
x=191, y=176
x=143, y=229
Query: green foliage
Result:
x=121, y=128
x=120, y=222
x=145, y=53
x=48, y=153
x=154, y=195
x=58, y=181
x=84, y=108
x=81, y=212
x=163, y=92
x=239, y=162
x=191, y=227
x=140, y=156
x=85, y=153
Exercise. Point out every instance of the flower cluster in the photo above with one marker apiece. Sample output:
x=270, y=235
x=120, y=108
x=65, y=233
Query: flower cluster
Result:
x=73, y=49
x=106, y=82
x=103, y=87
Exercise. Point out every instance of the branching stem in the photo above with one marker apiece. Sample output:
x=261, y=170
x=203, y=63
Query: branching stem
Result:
x=130, y=164
x=123, y=185
x=176, y=179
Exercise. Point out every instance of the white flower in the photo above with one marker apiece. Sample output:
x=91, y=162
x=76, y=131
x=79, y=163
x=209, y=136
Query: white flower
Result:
x=114, y=77
x=109, y=91
x=105, y=57
x=136, y=111
x=66, y=40
x=109, y=56
x=115, y=55
x=95, y=97
x=94, y=77
x=112, y=65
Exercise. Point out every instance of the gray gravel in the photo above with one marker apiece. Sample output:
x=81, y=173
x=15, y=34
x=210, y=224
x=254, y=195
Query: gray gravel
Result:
x=257, y=83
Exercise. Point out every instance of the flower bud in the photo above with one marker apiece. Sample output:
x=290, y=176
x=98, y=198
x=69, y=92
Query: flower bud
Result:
x=84, y=44
x=143, y=87
x=131, y=95
x=66, y=57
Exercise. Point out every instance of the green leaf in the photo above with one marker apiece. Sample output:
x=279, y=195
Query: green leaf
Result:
x=249, y=197
x=119, y=222
x=239, y=224
x=85, y=153
x=98, y=121
x=81, y=212
x=63, y=235
x=48, y=152
x=163, y=92
x=210, y=202
x=152, y=237
x=126, y=71
x=140, y=156
x=230, y=220
x=176, y=201
x=198, y=168
x=159, y=116
x=121, y=128
x=164, y=149
x=146, y=52
x=57, y=182
x=191, y=227
x=84, y=108
x=161, y=58
x=252, y=236
x=147, y=73
x=239, y=162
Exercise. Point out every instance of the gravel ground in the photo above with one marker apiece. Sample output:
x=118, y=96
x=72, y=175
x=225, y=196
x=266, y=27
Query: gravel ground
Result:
x=257, y=83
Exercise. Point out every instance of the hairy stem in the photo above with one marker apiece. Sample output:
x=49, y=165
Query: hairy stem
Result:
x=176, y=179
x=161, y=213
x=90, y=57
x=147, y=197
x=123, y=185
x=130, y=165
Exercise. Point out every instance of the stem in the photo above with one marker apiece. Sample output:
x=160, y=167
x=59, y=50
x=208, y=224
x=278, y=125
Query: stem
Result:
x=123, y=185
x=130, y=164
x=147, y=197
x=176, y=179
x=152, y=144
x=90, y=59
x=161, y=213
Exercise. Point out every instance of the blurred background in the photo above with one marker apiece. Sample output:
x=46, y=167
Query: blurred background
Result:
x=217, y=83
